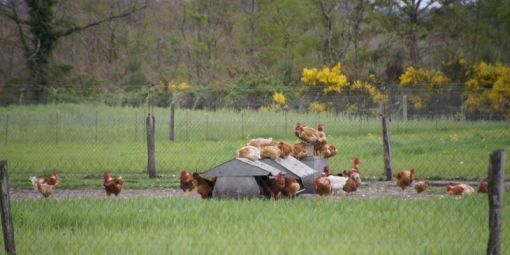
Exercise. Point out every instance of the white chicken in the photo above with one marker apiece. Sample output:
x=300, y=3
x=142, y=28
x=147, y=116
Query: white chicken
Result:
x=39, y=185
x=337, y=182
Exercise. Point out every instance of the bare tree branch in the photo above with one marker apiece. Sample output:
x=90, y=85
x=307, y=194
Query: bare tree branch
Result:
x=93, y=24
x=12, y=14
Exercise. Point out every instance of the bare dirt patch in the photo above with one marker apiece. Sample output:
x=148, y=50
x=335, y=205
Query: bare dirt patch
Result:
x=368, y=190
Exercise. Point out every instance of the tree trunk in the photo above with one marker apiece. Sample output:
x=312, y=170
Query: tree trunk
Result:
x=328, y=45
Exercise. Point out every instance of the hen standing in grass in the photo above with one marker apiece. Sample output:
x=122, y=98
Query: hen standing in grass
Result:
x=274, y=188
x=204, y=187
x=337, y=182
x=323, y=185
x=45, y=189
x=112, y=185
x=483, y=187
x=53, y=179
x=355, y=168
x=47, y=185
x=291, y=187
x=186, y=181
x=421, y=186
x=404, y=179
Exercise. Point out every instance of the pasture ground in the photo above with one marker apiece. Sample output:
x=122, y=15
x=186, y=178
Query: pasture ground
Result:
x=368, y=190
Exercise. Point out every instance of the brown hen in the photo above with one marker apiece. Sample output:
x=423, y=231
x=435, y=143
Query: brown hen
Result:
x=421, y=186
x=291, y=187
x=186, y=181
x=323, y=185
x=204, y=187
x=112, y=185
x=404, y=179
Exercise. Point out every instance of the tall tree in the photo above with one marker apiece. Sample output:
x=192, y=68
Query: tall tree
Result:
x=327, y=9
x=40, y=30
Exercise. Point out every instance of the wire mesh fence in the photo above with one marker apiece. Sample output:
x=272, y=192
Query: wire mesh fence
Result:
x=443, y=143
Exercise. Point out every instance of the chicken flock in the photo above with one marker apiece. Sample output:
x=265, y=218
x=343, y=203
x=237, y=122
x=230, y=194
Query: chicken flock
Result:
x=313, y=143
x=47, y=185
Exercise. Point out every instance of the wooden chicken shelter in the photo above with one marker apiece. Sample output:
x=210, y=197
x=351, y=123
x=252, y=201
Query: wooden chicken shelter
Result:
x=241, y=178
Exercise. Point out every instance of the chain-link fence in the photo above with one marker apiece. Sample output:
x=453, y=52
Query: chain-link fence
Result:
x=435, y=135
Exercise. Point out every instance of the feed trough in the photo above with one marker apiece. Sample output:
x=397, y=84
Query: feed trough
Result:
x=241, y=178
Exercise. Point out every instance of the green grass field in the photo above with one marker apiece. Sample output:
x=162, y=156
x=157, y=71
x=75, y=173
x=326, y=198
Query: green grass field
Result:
x=84, y=140
x=301, y=226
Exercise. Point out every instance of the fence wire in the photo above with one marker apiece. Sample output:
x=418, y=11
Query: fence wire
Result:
x=443, y=142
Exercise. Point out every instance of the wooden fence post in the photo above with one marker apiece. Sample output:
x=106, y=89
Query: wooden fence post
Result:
x=7, y=226
x=404, y=107
x=171, y=122
x=386, y=144
x=496, y=189
x=150, y=124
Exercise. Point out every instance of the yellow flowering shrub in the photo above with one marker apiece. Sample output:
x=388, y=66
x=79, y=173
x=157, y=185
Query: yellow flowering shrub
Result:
x=317, y=107
x=277, y=103
x=330, y=79
x=488, y=89
x=370, y=88
x=423, y=84
x=333, y=81
x=279, y=98
x=420, y=77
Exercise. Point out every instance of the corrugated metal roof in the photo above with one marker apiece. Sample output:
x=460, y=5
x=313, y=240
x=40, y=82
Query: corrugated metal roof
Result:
x=295, y=166
x=261, y=165
x=278, y=166
x=291, y=166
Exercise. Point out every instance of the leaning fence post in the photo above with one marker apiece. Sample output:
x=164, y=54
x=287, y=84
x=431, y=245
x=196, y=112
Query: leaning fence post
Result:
x=7, y=226
x=150, y=123
x=496, y=189
x=386, y=144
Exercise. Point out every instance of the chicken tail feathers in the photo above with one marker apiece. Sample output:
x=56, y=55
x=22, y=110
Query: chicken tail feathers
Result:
x=34, y=181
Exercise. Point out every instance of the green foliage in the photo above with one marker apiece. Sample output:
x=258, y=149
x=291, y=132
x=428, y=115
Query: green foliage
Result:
x=246, y=92
x=222, y=43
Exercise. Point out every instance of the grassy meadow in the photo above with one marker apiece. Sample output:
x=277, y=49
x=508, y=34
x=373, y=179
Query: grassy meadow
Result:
x=302, y=226
x=84, y=140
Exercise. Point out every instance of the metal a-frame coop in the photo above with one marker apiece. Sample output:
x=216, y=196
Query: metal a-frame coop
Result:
x=241, y=178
